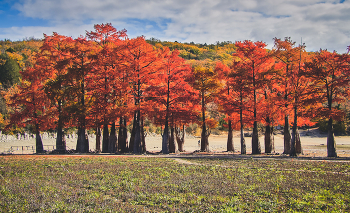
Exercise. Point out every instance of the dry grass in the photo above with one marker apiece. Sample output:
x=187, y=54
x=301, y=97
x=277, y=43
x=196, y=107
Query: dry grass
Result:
x=147, y=184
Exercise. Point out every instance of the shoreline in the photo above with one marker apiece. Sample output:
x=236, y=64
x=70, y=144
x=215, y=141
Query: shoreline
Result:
x=313, y=145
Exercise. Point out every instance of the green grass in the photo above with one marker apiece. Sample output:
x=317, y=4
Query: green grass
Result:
x=143, y=184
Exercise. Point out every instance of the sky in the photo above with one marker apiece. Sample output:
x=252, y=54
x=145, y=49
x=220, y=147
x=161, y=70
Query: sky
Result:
x=320, y=24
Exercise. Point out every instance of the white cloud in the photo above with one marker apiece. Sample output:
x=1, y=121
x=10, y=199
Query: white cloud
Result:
x=19, y=33
x=321, y=24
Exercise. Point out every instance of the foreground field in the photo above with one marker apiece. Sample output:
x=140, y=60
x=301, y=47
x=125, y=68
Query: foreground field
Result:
x=149, y=184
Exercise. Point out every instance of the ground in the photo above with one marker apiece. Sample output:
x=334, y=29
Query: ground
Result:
x=314, y=144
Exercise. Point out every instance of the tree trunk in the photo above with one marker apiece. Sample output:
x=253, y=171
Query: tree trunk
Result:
x=98, y=139
x=166, y=146
x=105, y=139
x=298, y=147
x=331, y=146
x=243, y=145
x=165, y=138
x=230, y=147
x=112, y=139
x=294, y=133
x=255, y=137
x=143, y=137
x=269, y=139
x=38, y=142
x=122, y=135
x=83, y=142
x=255, y=140
x=272, y=140
x=60, y=139
x=172, y=148
x=204, y=140
x=132, y=136
x=286, y=134
x=125, y=133
x=204, y=137
x=137, y=149
x=180, y=138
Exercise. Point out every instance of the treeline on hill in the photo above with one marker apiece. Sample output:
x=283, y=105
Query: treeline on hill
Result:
x=107, y=82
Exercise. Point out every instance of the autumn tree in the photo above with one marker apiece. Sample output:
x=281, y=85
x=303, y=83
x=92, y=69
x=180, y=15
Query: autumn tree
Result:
x=141, y=62
x=227, y=100
x=295, y=89
x=14, y=57
x=285, y=52
x=270, y=110
x=2, y=122
x=205, y=81
x=169, y=91
x=53, y=60
x=80, y=60
x=186, y=113
x=104, y=83
x=29, y=105
x=241, y=87
x=299, y=85
x=252, y=57
x=329, y=75
x=270, y=101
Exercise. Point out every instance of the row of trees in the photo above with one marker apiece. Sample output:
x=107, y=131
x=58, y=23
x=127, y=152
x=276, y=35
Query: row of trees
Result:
x=106, y=80
x=94, y=82
x=284, y=82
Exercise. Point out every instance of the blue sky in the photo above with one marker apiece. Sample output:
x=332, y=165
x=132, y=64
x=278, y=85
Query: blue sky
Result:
x=320, y=23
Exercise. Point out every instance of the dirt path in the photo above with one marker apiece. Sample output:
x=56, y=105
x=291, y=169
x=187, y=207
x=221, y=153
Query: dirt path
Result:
x=186, y=162
x=182, y=161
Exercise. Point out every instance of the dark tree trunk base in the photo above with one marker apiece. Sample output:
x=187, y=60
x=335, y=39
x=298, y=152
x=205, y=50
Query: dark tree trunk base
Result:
x=172, y=141
x=83, y=141
x=298, y=148
x=98, y=140
x=243, y=145
x=331, y=145
x=269, y=140
x=112, y=145
x=230, y=147
x=60, y=142
x=38, y=143
x=122, y=136
x=105, y=139
x=180, y=138
x=138, y=139
x=256, y=149
x=143, y=138
x=204, y=141
x=165, y=140
x=287, y=136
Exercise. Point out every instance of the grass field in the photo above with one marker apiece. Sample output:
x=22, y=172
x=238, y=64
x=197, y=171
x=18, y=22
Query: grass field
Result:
x=153, y=184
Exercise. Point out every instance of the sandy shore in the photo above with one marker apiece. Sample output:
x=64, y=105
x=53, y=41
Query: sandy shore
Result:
x=313, y=144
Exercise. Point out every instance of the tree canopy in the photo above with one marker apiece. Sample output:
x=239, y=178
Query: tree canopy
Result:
x=106, y=80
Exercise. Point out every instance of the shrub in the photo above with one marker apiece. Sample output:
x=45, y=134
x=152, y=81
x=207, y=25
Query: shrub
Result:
x=159, y=130
x=338, y=126
x=151, y=128
x=191, y=129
